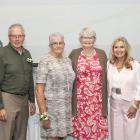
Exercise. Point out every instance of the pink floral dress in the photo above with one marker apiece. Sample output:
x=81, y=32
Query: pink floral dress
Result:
x=89, y=124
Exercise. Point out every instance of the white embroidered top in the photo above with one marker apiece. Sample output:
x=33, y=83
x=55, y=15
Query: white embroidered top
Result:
x=127, y=80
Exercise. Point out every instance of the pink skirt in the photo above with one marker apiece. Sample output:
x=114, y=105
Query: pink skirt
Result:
x=123, y=128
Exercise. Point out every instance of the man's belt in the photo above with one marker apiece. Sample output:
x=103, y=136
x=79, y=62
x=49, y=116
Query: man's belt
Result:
x=13, y=93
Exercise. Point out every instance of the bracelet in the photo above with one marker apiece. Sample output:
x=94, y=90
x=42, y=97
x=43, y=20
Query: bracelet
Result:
x=44, y=116
x=133, y=104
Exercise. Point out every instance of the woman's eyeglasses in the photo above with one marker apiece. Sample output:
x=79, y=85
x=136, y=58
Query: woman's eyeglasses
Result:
x=57, y=43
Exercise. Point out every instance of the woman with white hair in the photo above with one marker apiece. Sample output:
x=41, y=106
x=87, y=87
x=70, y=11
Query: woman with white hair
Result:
x=54, y=90
x=90, y=89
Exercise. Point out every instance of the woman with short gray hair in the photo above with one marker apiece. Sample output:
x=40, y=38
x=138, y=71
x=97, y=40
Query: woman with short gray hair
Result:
x=54, y=90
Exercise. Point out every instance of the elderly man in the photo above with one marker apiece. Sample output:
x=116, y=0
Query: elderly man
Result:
x=16, y=86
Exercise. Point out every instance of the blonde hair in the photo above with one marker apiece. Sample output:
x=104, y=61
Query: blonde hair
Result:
x=16, y=25
x=87, y=32
x=113, y=59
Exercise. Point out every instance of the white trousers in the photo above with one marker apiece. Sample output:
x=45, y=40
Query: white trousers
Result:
x=123, y=128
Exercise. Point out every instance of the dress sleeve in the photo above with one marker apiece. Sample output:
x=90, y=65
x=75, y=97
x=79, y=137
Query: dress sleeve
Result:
x=42, y=71
x=108, y=79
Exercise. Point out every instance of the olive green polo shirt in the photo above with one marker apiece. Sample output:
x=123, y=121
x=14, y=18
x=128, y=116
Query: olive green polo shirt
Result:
x=16, y=73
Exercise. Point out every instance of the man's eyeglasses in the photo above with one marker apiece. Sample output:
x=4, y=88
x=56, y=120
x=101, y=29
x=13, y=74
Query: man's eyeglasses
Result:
x=17, y=36
x=57, y=43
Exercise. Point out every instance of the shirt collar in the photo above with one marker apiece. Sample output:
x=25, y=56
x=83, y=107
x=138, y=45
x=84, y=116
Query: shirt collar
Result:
x=12, y=48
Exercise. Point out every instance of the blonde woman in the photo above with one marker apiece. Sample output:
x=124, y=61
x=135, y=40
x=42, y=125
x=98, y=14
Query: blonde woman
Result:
x=124, y=92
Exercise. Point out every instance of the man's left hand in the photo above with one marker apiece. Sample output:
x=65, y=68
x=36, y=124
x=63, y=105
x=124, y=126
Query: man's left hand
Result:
x=32, y=108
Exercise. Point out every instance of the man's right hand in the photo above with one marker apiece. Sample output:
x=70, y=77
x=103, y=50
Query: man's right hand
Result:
x=3, y=115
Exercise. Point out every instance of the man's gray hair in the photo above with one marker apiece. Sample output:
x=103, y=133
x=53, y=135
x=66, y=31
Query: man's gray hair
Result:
x=16, y=25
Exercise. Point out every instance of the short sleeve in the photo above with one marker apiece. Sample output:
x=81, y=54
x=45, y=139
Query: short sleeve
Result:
x=42, y=71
